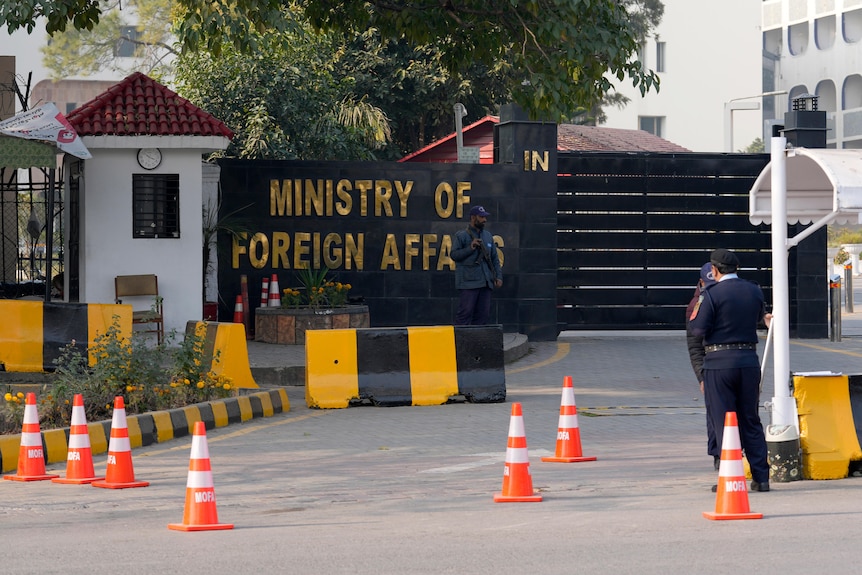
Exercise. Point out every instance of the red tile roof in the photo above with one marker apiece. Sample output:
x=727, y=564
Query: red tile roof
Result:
x=479, y=134
x=575, y=138
x=140, y=106
x=570, y=138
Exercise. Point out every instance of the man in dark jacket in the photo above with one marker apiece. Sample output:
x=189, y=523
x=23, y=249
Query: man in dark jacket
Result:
x=727, y=315
x=477, y=269
x=695, y=355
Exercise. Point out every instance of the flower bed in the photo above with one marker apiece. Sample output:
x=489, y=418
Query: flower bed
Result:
x=287, y=326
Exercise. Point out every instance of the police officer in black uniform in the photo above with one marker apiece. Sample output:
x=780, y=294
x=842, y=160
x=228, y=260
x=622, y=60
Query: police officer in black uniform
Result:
x=727, y=315
x=696, y=354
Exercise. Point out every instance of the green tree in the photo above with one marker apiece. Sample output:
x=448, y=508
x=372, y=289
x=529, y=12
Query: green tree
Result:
x=417, y=92
x=562, y=53
x=142, y=30
x=285, y=101
x=645, y=16
x=755, y=147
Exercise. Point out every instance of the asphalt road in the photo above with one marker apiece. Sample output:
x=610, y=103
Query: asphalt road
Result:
x=407, y=490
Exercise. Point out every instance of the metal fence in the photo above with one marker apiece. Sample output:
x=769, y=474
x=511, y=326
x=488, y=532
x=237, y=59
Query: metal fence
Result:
x=23, y=229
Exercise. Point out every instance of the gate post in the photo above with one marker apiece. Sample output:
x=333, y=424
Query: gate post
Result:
x=835, y=308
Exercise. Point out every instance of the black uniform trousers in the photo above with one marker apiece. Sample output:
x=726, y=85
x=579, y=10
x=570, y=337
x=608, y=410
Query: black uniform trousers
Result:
x=738, y=389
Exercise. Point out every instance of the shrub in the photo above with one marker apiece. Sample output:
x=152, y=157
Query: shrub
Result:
x=149, y=379
x=336, y=293
x=320, y=291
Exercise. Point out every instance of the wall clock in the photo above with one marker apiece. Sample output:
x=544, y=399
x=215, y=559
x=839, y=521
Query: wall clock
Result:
x=149, y=158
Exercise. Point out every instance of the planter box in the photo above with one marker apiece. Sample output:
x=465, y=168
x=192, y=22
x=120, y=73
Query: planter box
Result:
x=287, y=326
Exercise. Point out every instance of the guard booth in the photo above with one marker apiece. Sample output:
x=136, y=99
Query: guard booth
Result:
x=801, y=185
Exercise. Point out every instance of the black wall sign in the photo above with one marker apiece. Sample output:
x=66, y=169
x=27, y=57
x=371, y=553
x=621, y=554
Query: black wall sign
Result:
x=386, y=229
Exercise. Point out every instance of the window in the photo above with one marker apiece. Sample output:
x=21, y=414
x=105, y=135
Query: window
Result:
x=156, y=204
x=660, y=56
x=127, y=44
x=851, y=97
x=824, y=32
x=652, y=124
x=797, y=38
x=851, y=26
x=70, y=106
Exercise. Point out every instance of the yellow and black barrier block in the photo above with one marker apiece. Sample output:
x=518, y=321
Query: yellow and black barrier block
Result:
x=404, y=366
x=32, y=333
x=227, y=342
x=830, y=413
x=154, y=427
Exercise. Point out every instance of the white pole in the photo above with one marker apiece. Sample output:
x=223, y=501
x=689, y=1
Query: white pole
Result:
x=783, y=404
x=460, y=112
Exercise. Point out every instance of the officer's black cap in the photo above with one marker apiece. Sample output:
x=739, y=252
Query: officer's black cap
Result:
x=725, y=257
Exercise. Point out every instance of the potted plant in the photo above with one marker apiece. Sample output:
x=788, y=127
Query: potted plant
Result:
x=320, y=303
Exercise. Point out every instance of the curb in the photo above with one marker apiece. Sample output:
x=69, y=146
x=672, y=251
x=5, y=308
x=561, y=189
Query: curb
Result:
x=154, y=427
x=518, y=347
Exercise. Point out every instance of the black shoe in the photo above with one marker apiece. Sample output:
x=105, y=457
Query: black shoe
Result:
x=755, y=486
x=714, y=488
x=716, y=462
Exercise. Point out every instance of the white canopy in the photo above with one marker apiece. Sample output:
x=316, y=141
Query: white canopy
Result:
x=822, y=184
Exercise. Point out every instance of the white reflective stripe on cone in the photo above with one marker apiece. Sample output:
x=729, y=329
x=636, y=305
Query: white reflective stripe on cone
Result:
x=200, y=479
x=119, y=444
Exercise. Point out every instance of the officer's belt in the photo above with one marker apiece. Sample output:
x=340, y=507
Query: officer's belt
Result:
x=726, y=346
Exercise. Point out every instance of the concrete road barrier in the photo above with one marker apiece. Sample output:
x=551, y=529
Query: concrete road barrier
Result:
x=404, y=366
x=226, y=342
x=32, y=333
x=827, y=426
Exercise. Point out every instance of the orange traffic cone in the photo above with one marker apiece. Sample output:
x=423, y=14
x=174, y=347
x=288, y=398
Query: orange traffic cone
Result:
x=274, y=292
x=264, y=294
x=568, y=433
x=31, y=457
x=517, y=483
x=731, y=499
x=120, y=473
x=237, y=310
x=79, y=458
x=200, y=512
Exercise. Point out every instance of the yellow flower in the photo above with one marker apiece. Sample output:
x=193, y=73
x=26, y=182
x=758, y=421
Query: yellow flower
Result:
x=130, y=388
x=8, y=397
x=66, y=402
x=200, y=385
x=227, y=386
x=186, y=381
x=19, y=395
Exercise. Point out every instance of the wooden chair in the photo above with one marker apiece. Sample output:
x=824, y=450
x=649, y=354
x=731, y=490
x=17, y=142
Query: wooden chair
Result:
x=142, y=286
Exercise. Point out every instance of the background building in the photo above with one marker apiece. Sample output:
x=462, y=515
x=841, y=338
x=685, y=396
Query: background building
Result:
x=813, y=47
x=706, y=55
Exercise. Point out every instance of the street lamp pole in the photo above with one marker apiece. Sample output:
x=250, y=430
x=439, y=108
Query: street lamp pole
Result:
x=741, y=104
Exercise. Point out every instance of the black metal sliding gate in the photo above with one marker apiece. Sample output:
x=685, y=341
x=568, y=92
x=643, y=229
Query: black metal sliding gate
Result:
x=634, y=229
